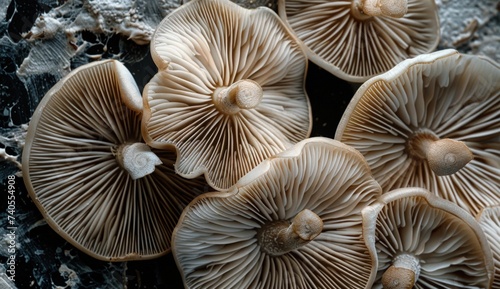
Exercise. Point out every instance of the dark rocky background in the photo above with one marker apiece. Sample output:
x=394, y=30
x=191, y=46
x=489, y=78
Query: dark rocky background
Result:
x=31, y=64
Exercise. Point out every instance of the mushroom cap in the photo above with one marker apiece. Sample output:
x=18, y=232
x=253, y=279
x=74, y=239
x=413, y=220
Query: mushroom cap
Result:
x=355, y=47
x=215, y=242
x=207, y=45
x=76, y=181
x=445, y=94
x=489, y=220
x=448, y=243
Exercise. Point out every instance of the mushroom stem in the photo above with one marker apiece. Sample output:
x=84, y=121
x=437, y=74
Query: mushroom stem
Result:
x=243, y=94
x=402, y=274
x=279, y=237
x=389, y=8
x=136, y=158
x=444, y=156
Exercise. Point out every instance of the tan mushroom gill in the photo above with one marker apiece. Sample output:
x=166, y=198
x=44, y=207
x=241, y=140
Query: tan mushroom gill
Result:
x=280, y=237
x=444, y=156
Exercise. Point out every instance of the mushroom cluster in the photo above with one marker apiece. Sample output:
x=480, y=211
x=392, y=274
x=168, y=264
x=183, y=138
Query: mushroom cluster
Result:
x=405, y=196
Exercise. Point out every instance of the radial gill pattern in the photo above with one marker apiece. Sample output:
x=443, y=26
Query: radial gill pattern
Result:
x=446, y=95
x=353, y=46
x=210, y=45
x=446, y=242
x=216, y=243
x=72, y=173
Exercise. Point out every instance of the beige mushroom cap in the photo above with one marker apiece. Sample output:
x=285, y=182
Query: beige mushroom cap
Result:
x=342, y=39
x=229, y=92
x=439, y=108
x=489, y=220
x=423, y=241
x=294, y=221
x=91, y=176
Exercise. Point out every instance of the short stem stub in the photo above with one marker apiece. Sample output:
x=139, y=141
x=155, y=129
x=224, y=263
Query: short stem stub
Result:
x=444, y=156
x=243, y=94
x=279, y=237
x=403, y=273
x=136, y=158
x=447, y=156
x=388, y=8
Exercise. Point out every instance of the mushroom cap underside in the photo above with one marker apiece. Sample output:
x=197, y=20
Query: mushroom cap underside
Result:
x=356, y=47
x=446, y=244
x=72, y=173
x=208, y=46
x=216, y=244
x=441, y=95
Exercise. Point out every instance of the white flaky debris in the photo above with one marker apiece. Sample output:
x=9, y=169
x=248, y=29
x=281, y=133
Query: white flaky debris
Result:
x=56, y=37
x=470, y=26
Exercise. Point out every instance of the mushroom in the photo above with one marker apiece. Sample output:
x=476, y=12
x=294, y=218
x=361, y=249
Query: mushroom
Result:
x=91, y=176
x=358, y=39
x=294, y=221
x=424, y=241
x=431, y=122
x=229, y=92
x=489, y=220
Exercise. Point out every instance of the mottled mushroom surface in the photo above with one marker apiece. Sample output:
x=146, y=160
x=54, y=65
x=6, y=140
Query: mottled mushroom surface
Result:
x=489, y=220
x=90, y=174
x=423, y=241
x=353, y=41
x=292, y=222
x=432, y=122
x=229, y=91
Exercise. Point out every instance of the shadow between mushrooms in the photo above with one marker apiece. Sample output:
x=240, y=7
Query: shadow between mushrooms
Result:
x=294, y=221
x=431, y=122
x=229, y=92
x=358, y=39
x=88, y=171
x=423, y=241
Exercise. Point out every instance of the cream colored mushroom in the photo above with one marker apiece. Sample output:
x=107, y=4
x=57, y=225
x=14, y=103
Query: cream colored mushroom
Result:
x=229, y=91
x=294, y=221
x=423, y=241
x=358, y=39
x=91, y=176
x=431, y=122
